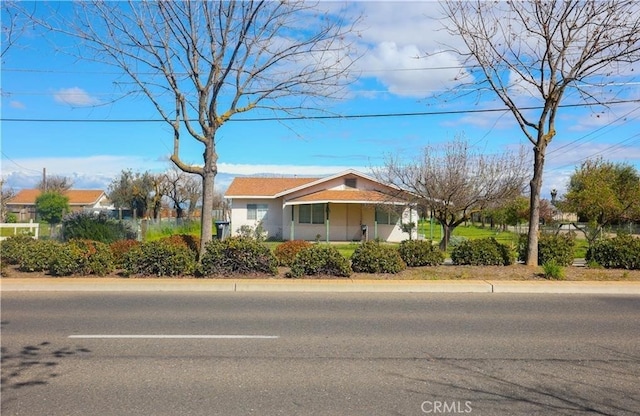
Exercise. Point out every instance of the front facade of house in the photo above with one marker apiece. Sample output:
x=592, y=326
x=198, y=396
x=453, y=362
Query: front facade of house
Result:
x=348, y=206
x=23, y=204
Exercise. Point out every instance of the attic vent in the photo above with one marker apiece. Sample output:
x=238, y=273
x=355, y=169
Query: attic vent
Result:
x=350, y=182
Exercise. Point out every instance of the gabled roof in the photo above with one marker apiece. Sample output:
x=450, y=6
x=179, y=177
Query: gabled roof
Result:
x=76, y=196
x=254, y=187
x=348, y=172
x=264, y=187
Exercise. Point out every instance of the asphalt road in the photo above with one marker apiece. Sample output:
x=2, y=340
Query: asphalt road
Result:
x=148, y=353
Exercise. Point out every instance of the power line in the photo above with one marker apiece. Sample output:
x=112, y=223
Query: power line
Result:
x=327, y=117
x=624, y=116
x=17, y=164
x=614, y=146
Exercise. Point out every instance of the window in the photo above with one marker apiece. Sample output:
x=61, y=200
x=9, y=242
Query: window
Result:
x=257, y=211
x=304, y=214
x=311, y=214
x=386, y=216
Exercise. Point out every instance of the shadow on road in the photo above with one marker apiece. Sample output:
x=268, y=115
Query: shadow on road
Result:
x=32, y=365
x=534, y=387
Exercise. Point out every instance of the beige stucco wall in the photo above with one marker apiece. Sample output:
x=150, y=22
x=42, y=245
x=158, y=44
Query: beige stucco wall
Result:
x=345, y=220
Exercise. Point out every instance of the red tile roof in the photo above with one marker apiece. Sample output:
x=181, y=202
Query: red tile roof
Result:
x=247, y=186
x=76, y=197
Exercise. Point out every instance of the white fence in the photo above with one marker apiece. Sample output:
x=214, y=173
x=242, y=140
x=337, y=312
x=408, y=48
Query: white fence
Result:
x=25, y=228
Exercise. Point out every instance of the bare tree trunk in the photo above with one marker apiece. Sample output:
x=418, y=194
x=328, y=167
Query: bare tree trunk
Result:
x=208, y=181
x=534, y=206
x=447, y=230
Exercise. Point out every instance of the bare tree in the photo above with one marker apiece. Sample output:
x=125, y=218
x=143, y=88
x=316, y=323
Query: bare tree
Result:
x=184, y=190
x=202, y=63
x=13, y=26
x=543, y=49
x=55, y=183
x=5, y=195
x=454, y=182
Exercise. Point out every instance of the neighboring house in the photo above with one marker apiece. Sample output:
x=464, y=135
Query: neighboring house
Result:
x=348, y=206
x=23, y=204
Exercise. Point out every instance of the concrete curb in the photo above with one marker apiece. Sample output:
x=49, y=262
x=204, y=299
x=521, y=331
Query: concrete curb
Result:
x=593, y=287
x=314, y=285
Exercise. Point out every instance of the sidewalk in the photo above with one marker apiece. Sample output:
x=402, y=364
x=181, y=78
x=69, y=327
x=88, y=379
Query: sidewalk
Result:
x=312, y=285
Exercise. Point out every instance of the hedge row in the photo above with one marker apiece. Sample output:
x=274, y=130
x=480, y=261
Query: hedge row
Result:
x=170, y=256
x=177, y=255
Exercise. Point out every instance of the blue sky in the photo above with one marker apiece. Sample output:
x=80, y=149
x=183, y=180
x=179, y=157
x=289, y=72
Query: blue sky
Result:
x=39, y=83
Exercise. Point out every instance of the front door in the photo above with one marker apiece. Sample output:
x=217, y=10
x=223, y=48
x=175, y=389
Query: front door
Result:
x=354, y=220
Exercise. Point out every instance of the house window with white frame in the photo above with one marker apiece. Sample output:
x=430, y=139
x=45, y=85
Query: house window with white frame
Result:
x=311, y=214
x=387, y=216
x=257, y=212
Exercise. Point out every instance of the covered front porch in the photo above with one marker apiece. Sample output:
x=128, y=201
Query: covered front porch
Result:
x=332, y=221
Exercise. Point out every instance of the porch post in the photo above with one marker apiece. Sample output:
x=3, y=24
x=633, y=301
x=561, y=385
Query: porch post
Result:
x=291, y=231
x=327, y=223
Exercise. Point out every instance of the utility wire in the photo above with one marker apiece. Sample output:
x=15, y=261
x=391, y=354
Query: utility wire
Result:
x=600, y=152
x=609, y=124
x=17, y=164
x=327, y=117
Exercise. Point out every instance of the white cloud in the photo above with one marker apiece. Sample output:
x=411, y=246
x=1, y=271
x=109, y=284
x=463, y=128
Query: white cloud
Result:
x=401, y=44
x=75, y=97
x=406, y=71
x=95, y=172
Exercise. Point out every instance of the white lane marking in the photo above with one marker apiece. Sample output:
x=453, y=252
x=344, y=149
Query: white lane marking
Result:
x=160, y=336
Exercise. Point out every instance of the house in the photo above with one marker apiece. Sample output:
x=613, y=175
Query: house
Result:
x=23, y=204
x=348, y=206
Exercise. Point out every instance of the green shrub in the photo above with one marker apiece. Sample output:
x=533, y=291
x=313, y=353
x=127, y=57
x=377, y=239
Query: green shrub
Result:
x=237, y=255
x=373, y=257
x=120, y=248
x=482, y=252
x=95, y=226
x=416, y=253
x=560, y=247
x=39, y=255
x=620, y=252
x=82, y=257
x=287, y=251
x=160, y=259
x=592, y=264
x=320, y=259
x=14, y=248
x=213, y=261
x=186, y=240
x=553, y=270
